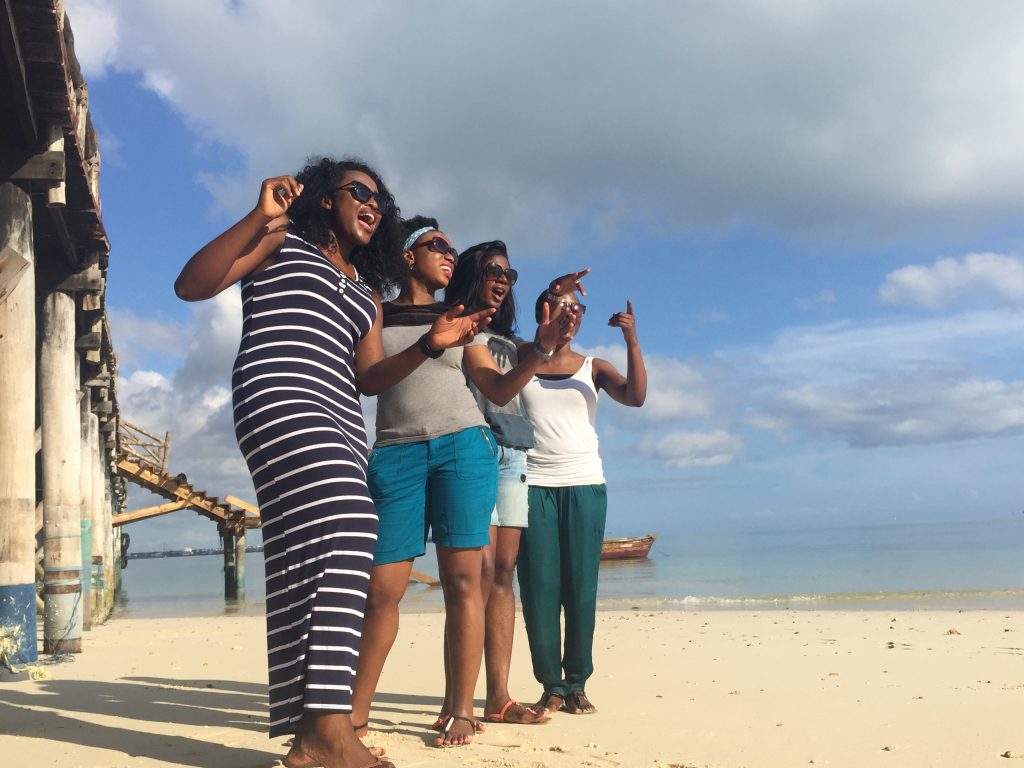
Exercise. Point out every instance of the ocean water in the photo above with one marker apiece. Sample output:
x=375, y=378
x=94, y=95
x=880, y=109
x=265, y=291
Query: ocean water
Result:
x=938, y=565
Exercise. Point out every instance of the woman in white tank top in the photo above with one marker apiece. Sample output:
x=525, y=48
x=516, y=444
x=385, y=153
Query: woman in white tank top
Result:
x=568, y=504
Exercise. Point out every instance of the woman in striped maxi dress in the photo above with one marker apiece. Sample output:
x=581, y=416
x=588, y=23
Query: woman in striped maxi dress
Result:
x=310, y=344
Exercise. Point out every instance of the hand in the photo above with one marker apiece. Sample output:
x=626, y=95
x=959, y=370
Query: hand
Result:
x=553, y=332
x=453, y=330
x=277, y=195
x=626, y=322
x=569, y=283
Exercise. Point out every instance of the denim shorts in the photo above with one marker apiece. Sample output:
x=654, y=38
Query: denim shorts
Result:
x=445, y=486
x=512, y=509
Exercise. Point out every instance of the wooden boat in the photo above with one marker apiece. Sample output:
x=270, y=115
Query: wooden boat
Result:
x=619, y=549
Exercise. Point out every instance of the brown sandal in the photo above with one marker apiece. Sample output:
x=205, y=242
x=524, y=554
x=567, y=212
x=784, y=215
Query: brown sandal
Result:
x=549, y=702
x=577, y=703
x=475, y=724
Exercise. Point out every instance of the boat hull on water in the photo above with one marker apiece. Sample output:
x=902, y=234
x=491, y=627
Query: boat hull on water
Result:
x=627, y=548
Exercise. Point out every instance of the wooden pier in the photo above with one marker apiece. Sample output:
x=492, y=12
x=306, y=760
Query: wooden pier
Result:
x=59, y=482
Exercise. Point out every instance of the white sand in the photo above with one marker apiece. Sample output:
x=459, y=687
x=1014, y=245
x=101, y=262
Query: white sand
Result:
x=775, y=688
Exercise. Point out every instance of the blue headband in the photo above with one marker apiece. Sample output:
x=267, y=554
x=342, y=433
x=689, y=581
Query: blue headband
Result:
x=416, y=236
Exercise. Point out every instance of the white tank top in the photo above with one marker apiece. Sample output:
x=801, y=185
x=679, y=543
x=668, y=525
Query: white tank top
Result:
x=565, y=441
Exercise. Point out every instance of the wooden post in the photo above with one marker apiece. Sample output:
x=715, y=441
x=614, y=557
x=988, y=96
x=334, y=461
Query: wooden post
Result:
x=17, y=426
x=85, y=492
x=240, y=563
x=56, y=196
x=62, y=495
x=230, y=583
x=99, y=526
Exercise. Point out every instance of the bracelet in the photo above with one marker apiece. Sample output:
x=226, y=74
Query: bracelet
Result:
x=424, y=347
x=545, y=356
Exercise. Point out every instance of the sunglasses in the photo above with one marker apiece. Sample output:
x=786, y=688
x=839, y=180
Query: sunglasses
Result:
x=572, y=306
x=363, y=194
x=438, y=245
x=493, y=271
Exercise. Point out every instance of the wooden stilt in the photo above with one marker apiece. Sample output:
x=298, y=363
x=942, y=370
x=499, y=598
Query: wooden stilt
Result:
x=17, y=425
x=240, y=564
x=230, y=581
x=62, y=496
x=85, y=491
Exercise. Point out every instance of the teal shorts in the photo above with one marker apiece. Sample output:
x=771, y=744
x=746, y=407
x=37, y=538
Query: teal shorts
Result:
x=445, y=486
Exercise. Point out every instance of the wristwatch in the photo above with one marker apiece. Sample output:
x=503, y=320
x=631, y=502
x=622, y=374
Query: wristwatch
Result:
x=545, y=356
x=424, y=346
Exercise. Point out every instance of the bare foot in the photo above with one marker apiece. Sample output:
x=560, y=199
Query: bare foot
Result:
x=458, y=731
x=328, y=740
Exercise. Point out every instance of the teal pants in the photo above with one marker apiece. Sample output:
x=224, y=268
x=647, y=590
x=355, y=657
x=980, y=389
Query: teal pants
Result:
x=559, y=555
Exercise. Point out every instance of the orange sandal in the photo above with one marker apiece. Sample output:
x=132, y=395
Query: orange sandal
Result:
x=522, y=715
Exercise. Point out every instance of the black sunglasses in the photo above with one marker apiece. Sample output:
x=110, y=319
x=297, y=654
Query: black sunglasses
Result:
x=493, y=271
x=363, y=194
x=439, y=245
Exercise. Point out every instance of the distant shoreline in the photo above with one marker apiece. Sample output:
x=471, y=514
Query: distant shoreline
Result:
x=187, y=552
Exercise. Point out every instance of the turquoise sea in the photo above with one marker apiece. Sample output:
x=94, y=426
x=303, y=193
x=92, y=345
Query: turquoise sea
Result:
x=932, y=565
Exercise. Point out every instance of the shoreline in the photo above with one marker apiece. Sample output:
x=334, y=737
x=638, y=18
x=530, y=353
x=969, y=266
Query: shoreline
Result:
x=427, y=600
x=719, y=689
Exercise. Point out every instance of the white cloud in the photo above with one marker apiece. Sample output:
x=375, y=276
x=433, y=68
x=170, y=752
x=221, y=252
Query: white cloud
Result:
x=139, y=339
x=870, y=117
x=843, y=352
x=906, y=411
x=97, y=34
x=983, y=275
x=694, y=449
x=675, y=391
x=823, y=298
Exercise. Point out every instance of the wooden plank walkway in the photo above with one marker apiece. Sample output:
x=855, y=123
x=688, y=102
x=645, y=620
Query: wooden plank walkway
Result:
x=181, y=494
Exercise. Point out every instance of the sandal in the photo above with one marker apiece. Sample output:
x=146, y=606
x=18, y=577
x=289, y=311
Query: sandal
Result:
x=577, y=703
x=549, y=702
x=519, y=715
x=477, y=728
x=442, y=720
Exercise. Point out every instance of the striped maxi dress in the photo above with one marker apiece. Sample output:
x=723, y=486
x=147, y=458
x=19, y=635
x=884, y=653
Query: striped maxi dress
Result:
x=300, y=427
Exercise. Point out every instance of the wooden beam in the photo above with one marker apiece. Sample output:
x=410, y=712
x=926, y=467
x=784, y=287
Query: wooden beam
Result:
x=148, y=512
x=16, y=71
x=88, y=280
x=89, y=341
x=243, y=504
x=423, y=578
x=46, y=166
x=12, y=268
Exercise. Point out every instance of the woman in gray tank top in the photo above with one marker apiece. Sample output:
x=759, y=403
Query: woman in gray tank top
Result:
x=434, y=466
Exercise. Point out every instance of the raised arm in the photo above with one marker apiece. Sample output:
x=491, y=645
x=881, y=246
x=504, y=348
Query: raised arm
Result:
x=375, y=372
x=501, y=388
x=630, y=389
x=244, y=248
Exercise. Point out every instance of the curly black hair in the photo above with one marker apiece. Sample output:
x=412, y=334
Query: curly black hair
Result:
x=464, y=287
x=380, y=262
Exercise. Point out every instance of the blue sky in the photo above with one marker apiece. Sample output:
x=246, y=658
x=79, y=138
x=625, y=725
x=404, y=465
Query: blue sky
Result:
x=815, y=209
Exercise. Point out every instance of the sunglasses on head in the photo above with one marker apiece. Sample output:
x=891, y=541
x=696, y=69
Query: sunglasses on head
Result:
x=493, y=271
x=438, y=245
x=572, y=306
x=363, y=194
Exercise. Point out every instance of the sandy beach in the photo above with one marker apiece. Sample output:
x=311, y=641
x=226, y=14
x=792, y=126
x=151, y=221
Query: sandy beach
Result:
x=710, y=688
